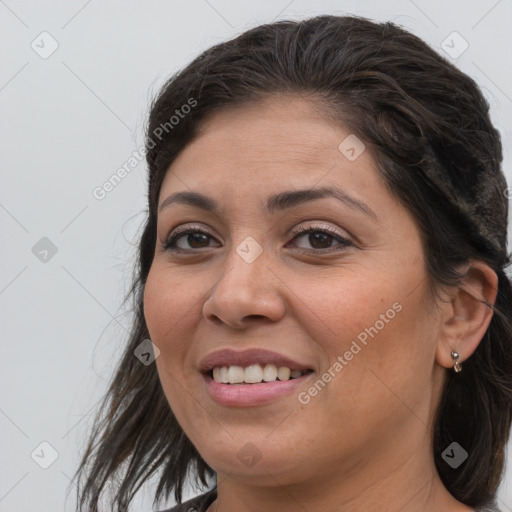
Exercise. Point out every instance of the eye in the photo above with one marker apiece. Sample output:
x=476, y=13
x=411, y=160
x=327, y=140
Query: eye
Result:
x=194, y=237
x=321, y=238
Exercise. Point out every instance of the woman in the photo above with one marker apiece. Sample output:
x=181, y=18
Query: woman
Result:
x=321, y=276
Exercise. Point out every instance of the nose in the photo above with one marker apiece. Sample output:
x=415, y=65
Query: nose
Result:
x=247, y=292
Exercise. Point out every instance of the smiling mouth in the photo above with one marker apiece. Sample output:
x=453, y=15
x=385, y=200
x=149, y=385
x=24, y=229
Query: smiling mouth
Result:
x=254, y=374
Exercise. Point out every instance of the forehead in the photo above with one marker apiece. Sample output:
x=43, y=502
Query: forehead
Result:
x=285, y=139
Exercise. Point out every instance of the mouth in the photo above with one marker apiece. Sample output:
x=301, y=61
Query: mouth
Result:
x=236, y=375
x=251, y=394
x=252, y=377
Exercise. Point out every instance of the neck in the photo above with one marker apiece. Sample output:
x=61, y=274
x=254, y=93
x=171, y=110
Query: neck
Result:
x=411, y=485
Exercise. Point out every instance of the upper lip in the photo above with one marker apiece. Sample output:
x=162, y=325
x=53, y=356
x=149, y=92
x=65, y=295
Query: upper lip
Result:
x=244, y=358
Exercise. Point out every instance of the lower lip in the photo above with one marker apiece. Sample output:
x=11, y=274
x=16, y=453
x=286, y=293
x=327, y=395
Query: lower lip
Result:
x=247, y=395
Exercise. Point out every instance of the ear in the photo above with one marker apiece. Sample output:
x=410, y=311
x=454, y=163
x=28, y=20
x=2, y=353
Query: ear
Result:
x=467, y=313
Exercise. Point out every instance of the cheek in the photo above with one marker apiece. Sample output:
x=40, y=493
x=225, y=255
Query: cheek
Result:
x=392, y=372
x=164, y=312
x=374, y=324
x=171, y=307
x=351, y=306
x=155, y=304
x=166, y=299
x=163, y=308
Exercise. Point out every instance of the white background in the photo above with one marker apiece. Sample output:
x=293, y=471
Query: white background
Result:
x=68, y=122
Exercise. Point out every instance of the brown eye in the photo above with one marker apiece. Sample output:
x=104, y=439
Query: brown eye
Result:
x=195, y=238
x=321, y=239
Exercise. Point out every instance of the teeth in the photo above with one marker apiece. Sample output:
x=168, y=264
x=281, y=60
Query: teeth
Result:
x=269, y=372
x=254, y=374
x=235, y=374
x=283, y=373
x=224, y=375
x=220, y=374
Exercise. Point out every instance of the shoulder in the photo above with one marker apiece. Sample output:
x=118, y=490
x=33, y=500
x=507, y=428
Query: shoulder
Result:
x=197, y=504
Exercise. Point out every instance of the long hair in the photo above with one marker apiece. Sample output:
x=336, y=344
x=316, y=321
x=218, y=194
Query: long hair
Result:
x=427, y=125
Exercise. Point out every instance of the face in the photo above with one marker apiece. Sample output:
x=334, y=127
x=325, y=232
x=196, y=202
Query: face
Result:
x=329, y=282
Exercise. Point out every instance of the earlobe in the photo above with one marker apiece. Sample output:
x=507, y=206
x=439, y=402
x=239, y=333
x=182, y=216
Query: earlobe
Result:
x=468, y=315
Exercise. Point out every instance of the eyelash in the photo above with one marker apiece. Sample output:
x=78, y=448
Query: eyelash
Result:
x=170, y=244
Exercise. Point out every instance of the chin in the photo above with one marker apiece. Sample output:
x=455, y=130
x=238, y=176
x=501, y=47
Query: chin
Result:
x=260, y=467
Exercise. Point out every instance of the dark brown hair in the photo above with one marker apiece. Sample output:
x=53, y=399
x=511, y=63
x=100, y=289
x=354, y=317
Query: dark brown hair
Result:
x=427, y=125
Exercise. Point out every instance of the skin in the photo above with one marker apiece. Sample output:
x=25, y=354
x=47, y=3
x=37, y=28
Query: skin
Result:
x=364, y=442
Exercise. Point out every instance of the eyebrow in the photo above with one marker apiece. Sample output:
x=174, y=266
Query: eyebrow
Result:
x=276, y=202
